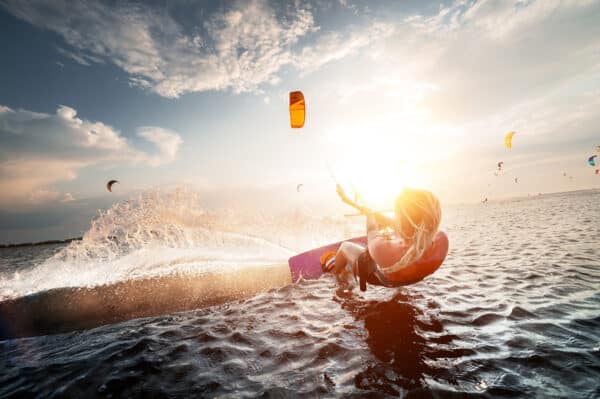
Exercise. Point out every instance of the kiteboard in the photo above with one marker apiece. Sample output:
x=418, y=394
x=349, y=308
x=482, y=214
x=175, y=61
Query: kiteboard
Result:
x=307, y=265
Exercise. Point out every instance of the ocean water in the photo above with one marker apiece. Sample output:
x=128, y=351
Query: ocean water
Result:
x=513, y=312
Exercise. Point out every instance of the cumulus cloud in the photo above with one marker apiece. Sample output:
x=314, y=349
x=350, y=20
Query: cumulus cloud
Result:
x=166, y=141
x=40, y=149
x=238, y=48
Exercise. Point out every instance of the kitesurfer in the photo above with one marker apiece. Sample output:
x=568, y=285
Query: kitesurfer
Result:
x=402, y=249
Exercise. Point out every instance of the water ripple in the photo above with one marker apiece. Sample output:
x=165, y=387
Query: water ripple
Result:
x=514, y=311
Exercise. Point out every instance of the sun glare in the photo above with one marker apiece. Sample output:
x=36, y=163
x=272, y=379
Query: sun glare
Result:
x=376, y=165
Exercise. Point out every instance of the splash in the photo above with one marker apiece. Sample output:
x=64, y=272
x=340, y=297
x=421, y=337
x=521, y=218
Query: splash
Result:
x=158, y=233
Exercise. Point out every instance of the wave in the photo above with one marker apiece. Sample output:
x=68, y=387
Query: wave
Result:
x=164, y=232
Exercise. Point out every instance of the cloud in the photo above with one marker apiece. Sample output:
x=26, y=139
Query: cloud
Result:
x=486, y=56
x=238, y=48
x=333, y=46
x=494, y=19
x=67, y=197
x=167, y=142
x=41, y=149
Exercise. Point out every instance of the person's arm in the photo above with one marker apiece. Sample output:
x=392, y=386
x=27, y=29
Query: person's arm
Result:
x=377, y=218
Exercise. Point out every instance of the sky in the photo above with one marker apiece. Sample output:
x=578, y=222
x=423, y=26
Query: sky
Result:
x=171, y=93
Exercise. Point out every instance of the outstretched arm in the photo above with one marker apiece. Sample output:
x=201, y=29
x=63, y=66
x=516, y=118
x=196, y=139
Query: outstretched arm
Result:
x=373, y=218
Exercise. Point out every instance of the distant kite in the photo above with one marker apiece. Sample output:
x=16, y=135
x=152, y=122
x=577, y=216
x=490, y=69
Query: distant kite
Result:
x=500, y=165
x=298, y=187
x=297, y=109
x=110, y=184
x=591, y=160
x=508, y=139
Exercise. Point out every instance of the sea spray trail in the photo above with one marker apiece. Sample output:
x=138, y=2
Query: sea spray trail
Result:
x=159, y=233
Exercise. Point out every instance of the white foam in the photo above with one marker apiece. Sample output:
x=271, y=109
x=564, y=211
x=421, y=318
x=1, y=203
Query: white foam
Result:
x=160, y=233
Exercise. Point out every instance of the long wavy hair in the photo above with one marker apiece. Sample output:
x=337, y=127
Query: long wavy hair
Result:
x=418, y=214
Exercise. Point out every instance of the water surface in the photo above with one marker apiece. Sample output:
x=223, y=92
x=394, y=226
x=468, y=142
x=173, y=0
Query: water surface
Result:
x=514, y=311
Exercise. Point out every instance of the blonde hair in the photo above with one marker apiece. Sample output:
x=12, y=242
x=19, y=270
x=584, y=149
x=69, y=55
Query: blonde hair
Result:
x=418, y=213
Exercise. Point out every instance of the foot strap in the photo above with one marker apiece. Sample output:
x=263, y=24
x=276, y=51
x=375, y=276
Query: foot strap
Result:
x=327, y=261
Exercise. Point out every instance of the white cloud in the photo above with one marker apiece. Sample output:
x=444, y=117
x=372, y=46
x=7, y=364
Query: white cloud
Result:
x=40, y=149
x=333, y=46
x=486, y=56
x=495, y=19
x=166, y=141
x=67, y=197
x=238, y=49
x=499, y=19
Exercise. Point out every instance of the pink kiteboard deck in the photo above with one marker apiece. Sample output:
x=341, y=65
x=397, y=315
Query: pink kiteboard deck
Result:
x=307, y=265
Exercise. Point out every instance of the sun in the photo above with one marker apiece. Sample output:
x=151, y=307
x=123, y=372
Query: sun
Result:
x=377, y=166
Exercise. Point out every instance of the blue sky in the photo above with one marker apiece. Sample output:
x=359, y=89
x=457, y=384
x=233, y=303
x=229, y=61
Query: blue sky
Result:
x=168, y=93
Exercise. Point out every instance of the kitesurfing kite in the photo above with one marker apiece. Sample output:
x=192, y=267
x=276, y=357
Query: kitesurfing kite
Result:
x=591, y=160
x=297, y=109
x=508, y=139
x=110, y=184
x=298, y=187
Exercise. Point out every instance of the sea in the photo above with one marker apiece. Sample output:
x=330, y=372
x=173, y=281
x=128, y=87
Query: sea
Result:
x=513, y=312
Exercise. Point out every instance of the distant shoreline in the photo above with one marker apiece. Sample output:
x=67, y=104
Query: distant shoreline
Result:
x=35, y=244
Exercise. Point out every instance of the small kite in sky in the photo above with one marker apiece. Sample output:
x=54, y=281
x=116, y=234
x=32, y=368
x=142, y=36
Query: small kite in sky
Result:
x=298, y=187
x=508, y=139
x=591, y=160
x=297, y=109
x=110, y=184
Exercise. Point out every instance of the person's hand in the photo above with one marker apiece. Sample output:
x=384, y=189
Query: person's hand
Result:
x=342, y=194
